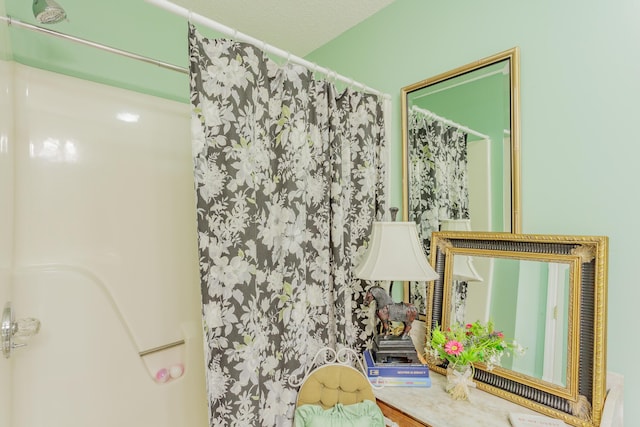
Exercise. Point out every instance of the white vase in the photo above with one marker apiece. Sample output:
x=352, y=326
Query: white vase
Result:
x=459, y=380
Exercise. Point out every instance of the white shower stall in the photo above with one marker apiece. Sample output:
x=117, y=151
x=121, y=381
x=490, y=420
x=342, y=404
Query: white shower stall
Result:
x=98, y=241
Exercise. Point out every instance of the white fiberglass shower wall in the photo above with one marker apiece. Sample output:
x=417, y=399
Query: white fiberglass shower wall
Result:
x=99, y=243
x=6, y=211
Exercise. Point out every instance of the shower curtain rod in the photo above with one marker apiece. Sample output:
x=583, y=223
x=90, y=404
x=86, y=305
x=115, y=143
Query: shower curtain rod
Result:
x=17, y=23
x=214, y=25
x=196, y=18
x=504, y=70
x=433, y=115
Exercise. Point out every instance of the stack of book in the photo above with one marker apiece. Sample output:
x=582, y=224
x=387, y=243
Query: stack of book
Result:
x=396, y=374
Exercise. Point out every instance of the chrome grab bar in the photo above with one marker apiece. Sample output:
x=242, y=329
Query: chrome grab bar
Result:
x=160, y=348
x=21, y=329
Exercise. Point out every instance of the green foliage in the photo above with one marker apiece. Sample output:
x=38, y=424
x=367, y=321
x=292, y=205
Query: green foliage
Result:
x=468, y=344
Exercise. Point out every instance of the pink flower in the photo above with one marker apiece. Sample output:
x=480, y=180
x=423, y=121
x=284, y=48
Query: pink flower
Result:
x=453, y=348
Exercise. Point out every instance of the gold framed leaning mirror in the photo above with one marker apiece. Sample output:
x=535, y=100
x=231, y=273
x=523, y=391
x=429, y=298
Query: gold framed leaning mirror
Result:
x=461, y=149
x=548, y=293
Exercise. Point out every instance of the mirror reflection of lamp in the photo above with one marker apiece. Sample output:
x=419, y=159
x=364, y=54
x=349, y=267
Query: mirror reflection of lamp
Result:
x=463, y=269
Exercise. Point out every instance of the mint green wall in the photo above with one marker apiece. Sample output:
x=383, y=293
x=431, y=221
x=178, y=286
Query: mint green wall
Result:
x=580, y=68
x=530, y=316
x=504, y=297
x=5, y=46
x=580, y=82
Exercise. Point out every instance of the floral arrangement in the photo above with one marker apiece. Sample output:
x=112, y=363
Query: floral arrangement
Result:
x=462, y=345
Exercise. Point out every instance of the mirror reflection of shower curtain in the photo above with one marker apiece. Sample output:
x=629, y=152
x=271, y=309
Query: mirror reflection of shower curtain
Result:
x=289, y=177
x=438, y=183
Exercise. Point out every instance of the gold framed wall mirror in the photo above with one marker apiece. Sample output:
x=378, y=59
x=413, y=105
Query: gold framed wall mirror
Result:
x=549, y=294
x=461, y=151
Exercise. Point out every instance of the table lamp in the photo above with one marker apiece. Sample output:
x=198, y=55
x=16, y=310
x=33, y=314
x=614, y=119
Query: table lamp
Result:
x=394, y=253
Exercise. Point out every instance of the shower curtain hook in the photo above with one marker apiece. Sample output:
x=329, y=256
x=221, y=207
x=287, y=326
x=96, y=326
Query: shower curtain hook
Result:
x=264, y=48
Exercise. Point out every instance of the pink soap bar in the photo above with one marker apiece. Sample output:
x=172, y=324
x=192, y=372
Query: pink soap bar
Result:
x=162, y=375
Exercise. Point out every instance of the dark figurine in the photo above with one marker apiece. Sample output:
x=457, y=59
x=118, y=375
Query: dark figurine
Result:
x=389, y=311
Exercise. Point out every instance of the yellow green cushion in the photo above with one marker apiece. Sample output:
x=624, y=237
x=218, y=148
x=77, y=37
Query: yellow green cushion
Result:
x=332, y=384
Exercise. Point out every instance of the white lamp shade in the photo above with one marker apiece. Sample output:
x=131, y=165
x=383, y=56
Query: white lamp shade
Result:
x=455, y=225
x=463, y=268
x=395, y=253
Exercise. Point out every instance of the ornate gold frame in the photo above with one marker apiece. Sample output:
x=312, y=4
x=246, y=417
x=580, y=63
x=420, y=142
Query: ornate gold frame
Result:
x=514, y=69
x=580, y=403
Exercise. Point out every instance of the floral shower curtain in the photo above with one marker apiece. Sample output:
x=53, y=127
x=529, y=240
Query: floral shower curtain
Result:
x=289, y=177
x=438, y=180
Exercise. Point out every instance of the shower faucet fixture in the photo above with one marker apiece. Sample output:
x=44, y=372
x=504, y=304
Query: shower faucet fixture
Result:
x=21, y=329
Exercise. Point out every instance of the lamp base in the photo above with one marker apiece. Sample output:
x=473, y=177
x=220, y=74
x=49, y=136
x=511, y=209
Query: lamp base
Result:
x=393, y=349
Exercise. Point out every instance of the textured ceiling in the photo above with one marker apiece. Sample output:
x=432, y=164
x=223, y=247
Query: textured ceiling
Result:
x=296, y=26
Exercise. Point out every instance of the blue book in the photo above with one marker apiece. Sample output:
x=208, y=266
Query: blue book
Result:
x=394, y=370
